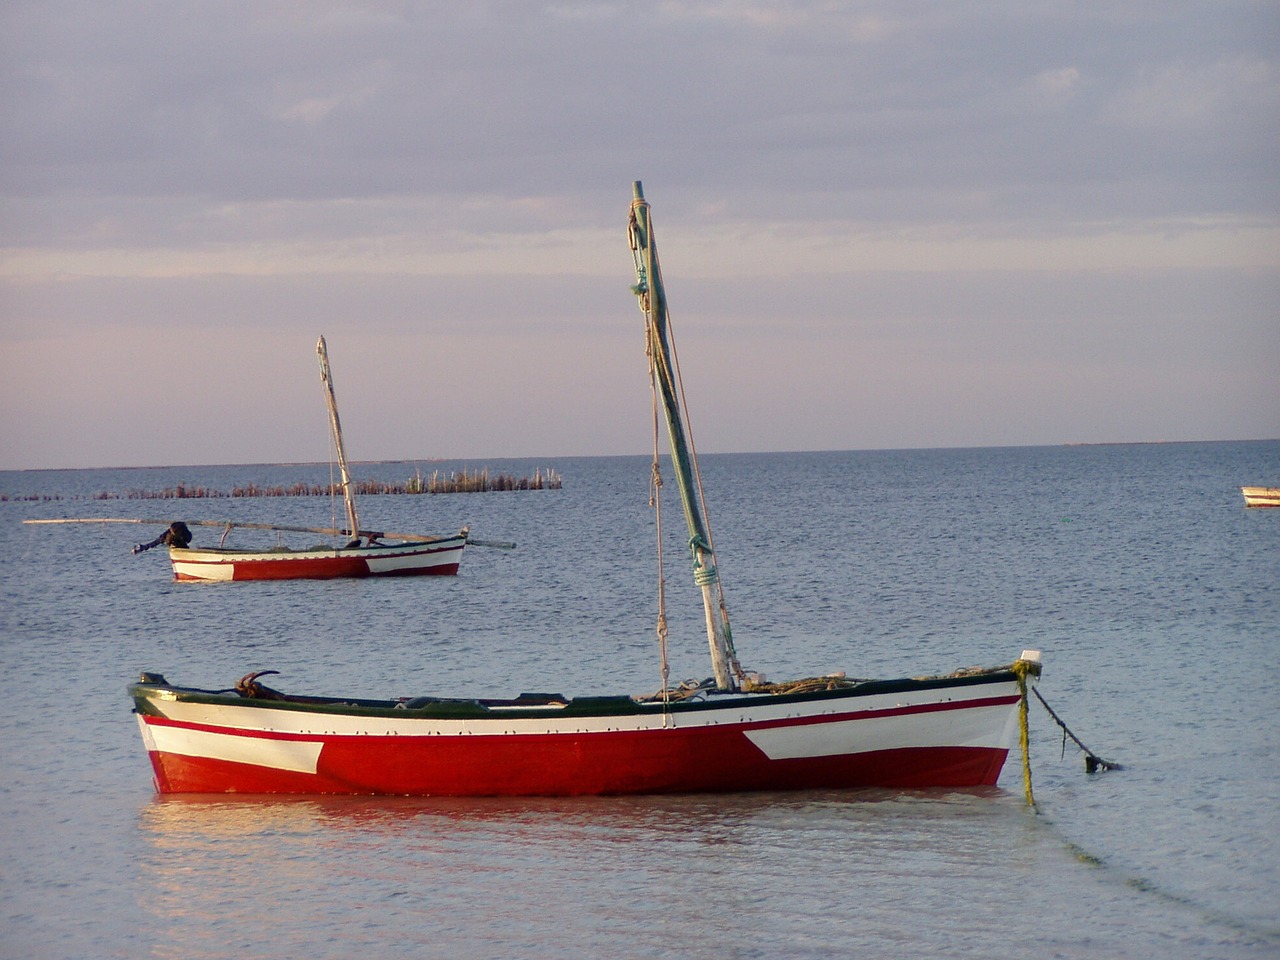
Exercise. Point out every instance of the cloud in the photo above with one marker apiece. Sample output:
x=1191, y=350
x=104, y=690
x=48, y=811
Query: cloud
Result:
x=238, y=103
x=216, y=169
x=1201, y=98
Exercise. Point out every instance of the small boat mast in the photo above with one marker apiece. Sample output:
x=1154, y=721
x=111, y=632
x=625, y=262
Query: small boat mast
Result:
x=653, y=304
x=353, y=521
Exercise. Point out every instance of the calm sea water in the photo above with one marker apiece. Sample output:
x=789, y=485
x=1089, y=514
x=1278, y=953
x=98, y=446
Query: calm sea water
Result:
x=1136, y=569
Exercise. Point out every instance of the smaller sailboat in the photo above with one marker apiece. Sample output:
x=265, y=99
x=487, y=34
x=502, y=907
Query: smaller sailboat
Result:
x=367, y=553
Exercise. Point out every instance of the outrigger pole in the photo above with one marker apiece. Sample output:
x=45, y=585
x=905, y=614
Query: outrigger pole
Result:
x=324, y=531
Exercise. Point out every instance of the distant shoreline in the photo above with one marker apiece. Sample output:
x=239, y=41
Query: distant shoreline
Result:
x=463, y=481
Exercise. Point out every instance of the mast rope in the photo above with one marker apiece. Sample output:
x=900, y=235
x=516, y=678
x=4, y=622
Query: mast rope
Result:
x=332, y=448
x=704, y=575
x=655, y=501
x=333, y=490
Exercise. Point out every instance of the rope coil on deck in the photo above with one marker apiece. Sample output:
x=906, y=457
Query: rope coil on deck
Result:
x=806, y=685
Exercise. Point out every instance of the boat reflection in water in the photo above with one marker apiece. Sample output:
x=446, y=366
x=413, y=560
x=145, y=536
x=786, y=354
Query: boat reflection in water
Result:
x=615, y=876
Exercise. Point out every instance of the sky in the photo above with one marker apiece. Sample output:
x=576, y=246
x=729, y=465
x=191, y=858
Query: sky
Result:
x=882, y=225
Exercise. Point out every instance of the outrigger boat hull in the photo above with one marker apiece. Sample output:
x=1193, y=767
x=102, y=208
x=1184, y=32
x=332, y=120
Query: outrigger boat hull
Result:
x=939, y=732
x=440, y=557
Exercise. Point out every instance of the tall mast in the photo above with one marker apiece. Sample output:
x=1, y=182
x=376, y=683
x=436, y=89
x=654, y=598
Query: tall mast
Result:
x=336, y=426
x=653, y=304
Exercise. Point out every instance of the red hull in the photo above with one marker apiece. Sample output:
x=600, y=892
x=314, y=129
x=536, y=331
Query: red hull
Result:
x=528, y=774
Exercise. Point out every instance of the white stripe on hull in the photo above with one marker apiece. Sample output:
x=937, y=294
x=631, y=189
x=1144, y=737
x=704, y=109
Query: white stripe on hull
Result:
x=418, y=561
x=204, y=570
x=300, y=756
x=971, y=727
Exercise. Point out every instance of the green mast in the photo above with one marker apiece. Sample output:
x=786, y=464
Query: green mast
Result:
x=653, y=304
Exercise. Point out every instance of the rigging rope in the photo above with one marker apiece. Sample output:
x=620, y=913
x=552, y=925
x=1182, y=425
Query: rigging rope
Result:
x=702, y=576
x=333, y=496
x=655, y=501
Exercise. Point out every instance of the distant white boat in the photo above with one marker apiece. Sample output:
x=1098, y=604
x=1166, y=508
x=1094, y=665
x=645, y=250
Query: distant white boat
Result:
x=1261, y=496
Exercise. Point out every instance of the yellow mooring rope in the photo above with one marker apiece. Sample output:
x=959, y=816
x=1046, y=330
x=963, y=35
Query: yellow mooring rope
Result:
x=1021, y=668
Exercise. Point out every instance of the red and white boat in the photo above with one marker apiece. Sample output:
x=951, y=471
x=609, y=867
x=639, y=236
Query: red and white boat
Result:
x=409, y=554
x=427, y=556
x=943, y=732
x=734, y=732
